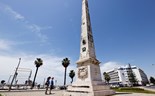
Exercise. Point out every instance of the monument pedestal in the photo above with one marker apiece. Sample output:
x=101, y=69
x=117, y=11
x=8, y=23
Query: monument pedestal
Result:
x=89, y=82
x=94, y=90
x=95, y=93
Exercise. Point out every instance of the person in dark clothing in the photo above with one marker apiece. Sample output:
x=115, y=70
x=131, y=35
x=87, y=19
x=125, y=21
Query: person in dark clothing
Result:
x=52, y=85
x=38, y=86
x=47, y=84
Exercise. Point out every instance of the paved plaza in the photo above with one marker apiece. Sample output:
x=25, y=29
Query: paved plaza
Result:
x=59, y=93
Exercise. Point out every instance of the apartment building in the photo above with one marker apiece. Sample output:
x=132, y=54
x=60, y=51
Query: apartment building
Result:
x=121, y=75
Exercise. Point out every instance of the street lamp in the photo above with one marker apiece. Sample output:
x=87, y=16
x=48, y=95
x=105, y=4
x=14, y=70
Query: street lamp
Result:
x=15, y=74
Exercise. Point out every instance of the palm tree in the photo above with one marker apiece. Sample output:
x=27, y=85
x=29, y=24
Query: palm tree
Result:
x=106, y=77
x=152, y=80
x=71, y=75
x=65, y=63
x=3, y=83
x=38, y=62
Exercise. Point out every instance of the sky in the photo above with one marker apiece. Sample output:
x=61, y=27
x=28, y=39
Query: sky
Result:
x=123, y=31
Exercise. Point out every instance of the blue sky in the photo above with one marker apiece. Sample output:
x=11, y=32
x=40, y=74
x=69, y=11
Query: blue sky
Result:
x=124, y=32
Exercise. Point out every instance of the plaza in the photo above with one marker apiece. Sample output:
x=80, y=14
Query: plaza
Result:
x=58, y=93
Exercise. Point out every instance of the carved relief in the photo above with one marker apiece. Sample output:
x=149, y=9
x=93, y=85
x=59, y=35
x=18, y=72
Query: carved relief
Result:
x=83, y=49
x=83, y=72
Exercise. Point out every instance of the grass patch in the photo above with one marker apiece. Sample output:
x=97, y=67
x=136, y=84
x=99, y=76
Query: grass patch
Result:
x=135, y=90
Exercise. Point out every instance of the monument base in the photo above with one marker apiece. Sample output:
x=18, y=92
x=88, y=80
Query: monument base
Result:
x=97, y=90
x=94, y=93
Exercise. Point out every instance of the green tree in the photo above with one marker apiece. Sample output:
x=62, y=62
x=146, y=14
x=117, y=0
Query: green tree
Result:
x=71, y=75
x=38, y=62
x=152, y=80
x=65, y=63
x=131, y=76
x=106, y=77
x=3, y=83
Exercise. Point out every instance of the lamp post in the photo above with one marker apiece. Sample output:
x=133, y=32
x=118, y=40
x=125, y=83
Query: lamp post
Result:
x=15, y=74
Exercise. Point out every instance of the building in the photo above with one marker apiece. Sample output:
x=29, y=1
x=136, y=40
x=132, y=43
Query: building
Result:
x=120, y=76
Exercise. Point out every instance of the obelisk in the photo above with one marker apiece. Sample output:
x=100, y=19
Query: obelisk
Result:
x=88, y=76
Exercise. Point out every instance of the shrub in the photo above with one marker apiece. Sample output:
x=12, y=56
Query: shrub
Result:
x=128, y=88
x=131, y=89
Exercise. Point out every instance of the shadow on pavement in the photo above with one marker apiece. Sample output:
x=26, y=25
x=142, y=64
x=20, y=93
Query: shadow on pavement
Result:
x=50, y=94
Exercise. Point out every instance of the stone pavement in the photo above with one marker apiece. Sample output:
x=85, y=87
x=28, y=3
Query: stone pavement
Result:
x=31, y=93
x=58, y=93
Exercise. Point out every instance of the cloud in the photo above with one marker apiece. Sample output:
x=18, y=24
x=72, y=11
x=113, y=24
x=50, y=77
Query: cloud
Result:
x=13, y=13
x=51, y=67
x=110, y=65
x=31, y=26
x=5, y=45
x=37, y=30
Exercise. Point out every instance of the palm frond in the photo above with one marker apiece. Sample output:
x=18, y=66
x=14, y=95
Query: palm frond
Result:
x=65, y=62
x=38, y=62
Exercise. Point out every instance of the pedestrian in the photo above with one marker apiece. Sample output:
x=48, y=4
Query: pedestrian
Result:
x=52, y=84
x=38, y=86
x=47, y=84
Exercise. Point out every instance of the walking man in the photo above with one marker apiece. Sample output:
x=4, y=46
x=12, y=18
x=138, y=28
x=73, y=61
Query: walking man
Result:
x=52, y=84
x=47, y=84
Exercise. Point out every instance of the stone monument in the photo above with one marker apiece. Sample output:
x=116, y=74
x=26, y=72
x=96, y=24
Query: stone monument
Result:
x=88, y=76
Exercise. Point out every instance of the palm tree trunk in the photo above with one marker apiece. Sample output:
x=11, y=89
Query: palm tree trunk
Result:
x=35, y=77
x=65, y=76
x=72, y=81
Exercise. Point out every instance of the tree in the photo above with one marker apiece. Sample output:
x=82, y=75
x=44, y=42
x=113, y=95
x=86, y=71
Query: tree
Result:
x=71, y=75
x=131, y=76
x=38, y=62
x=65, y=63
x=3, y=83
x=152, y=80
x=106, y=77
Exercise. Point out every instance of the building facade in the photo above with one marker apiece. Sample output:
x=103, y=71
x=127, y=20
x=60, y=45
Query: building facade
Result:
x=120, y=76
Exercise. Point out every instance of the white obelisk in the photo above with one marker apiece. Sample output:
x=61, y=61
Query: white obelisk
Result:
x=88, y=76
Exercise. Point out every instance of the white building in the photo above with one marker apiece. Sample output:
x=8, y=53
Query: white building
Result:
x=121, y=75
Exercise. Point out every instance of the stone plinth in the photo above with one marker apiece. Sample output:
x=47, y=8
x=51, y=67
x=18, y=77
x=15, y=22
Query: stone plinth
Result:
x=95, y=90
x=94, y=93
